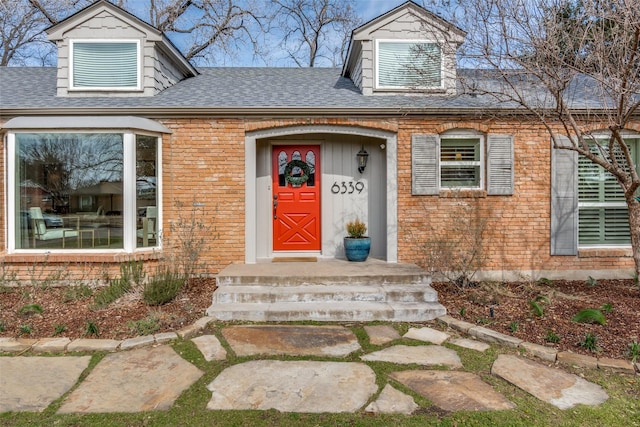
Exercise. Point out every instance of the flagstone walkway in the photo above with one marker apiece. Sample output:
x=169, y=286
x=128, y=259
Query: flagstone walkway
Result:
x=152, y=377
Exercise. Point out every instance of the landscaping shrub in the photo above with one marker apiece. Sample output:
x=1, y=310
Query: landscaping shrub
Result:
x=91, y=329
x=29, y=309
x=552, y=337
x=163, y=287
x=147, y=326
x=590, y=342
x=107, y=295
x=77, y=292
x=590, y=315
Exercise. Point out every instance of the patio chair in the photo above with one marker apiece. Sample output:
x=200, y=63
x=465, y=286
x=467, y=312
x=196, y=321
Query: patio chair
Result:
x=149, y=230
x=42, y=233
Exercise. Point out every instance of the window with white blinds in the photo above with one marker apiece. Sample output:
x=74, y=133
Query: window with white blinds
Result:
x=104, y=65
x=602, y=211
x=460, y=163
x=405, y=65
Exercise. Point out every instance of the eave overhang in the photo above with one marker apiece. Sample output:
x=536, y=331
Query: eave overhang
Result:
x=230, y=112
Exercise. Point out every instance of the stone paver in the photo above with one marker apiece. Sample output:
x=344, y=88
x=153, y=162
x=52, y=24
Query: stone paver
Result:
x=12, y=345
x=297, y=386
x=146, y=378
x=51, y=345
x=454, y=391
x=624, y=366
x=85, y=344
x=540, y=351
x=489, y=335
x=458, y=325
x=579, y=360
x=137, y=342
x=210, y=347
x=133, y=381
x=427, y=334
x=165, y=337
x=426, y=355
x=291, y=340
x=381, y=334
x=470, y=344
x=32, y=383
x=553, y=386
x=392, y=401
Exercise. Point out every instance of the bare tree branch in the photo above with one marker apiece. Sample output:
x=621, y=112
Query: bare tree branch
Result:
x=315, y=29
x=574, y=65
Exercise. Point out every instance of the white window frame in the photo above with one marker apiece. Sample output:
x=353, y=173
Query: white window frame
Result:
x=481, y=163
x=138, y=85
x=613, y=205
x=404, y=88
x=129, y=192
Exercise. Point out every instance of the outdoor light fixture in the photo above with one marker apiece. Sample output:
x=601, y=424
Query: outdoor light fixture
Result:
x=362, y=156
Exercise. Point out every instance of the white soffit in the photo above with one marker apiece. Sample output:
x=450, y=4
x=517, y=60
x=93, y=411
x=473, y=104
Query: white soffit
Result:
x=86, y=122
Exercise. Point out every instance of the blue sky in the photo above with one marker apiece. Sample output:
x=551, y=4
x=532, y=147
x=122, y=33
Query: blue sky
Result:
x=366, y=9
x=369, y=9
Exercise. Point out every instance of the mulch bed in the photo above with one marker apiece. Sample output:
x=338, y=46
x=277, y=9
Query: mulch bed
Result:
x=506, y=308
x=113, y=322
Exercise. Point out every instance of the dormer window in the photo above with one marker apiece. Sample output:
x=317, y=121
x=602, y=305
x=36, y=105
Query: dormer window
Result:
x=105, y=65
x=408, y=64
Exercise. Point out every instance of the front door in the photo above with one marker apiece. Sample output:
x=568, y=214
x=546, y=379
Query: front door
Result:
x=296, y=198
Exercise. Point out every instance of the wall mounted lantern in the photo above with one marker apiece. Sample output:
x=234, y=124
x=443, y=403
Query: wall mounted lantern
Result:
x=362, y=157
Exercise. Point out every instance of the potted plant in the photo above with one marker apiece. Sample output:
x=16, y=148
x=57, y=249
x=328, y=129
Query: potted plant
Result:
x=356, y=244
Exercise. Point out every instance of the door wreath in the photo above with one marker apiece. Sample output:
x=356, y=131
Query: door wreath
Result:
x=297, y=181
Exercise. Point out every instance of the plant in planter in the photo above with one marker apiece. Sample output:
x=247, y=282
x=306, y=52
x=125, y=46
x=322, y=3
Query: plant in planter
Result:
x=356, y=244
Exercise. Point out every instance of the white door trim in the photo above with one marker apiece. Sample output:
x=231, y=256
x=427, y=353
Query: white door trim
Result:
x=251, y=208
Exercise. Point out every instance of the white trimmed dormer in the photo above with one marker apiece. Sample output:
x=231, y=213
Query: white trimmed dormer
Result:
x=105, y=51
x=404, y=51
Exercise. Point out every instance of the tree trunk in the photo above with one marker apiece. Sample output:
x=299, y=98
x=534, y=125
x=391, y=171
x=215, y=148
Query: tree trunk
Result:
x=634, y=224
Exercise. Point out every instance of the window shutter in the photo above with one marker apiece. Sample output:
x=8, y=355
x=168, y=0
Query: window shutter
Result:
x=564, y=202
x=500, y=165
x=424, y=164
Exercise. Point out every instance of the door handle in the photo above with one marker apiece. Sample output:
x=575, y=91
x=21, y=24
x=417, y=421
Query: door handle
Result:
x=275, y=208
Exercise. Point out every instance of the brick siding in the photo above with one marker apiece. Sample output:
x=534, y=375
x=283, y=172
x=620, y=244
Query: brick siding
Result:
x=203, y=181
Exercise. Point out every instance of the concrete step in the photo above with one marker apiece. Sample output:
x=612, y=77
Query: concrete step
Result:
x=360, y=311
x=372, y=272
x=323, y=293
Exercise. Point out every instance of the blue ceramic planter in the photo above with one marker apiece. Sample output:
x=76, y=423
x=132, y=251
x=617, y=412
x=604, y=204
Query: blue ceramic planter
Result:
x=357, y=249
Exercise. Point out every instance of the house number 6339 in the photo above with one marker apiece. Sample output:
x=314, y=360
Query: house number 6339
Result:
x=349, y=187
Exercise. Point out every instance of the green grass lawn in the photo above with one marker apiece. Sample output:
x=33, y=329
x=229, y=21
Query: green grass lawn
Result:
x=621, y=409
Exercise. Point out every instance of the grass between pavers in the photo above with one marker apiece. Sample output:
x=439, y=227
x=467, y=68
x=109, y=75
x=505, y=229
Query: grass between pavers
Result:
x=621, y=409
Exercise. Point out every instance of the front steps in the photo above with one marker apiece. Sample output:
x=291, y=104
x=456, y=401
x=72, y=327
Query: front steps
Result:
x=325, y=291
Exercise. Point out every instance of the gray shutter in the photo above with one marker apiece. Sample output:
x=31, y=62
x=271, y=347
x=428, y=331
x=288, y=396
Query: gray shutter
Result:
x=564, y=202
x=500, y=165
x=425, y=153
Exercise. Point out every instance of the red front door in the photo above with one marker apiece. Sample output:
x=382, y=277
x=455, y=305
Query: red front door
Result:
x=296, y=198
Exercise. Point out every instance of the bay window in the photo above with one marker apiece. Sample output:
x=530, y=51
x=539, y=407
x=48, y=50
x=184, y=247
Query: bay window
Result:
x=85, y=190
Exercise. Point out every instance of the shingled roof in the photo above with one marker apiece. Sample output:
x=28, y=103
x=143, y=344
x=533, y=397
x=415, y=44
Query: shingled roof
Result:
x=228, y=91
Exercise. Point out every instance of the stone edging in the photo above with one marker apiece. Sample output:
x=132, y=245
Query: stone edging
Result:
x=57, y=345
x=540, y=351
